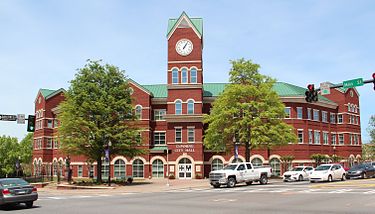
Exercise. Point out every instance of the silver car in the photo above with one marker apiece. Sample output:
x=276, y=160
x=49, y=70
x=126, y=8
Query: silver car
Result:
x=17, y=190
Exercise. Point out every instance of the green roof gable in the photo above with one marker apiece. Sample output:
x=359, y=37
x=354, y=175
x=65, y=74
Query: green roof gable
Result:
x=159, y=91
x=46, y=92
x=197, y=23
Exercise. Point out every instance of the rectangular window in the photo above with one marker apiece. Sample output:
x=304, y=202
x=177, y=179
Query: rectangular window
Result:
x=356, y=120
x=178, y=135
x=310, y=137
x=333, y=139
x=55, y=123
x=316, y=137
x=356, y=142
x=49, y=124
x=80, y=171
x=350, y=119
x=341, y=139
x=287, y=112
x=159, y=114
x=316, y=115
x=49, y=143
x=325, y=138
x=324, y=117
x=309, y=113
x=300, y=136
x=191, y=134
x=55, y=143
x=184, y=75
x=351, y=139
x=299, y=113
x=332, y=118
x=174, y=76
x=159, y=138
x=340, y=118
x=193, y=75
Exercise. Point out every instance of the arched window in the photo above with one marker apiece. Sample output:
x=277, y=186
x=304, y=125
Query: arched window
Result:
x=157, y=169
x=184, y=77
x=193, y=75
x=237, y=160
x=257, y=162
x=174, y=76
x=178, y=107
x=217, y=164
x=105, y=168
x=190, y=107
x=119, y=169
x=35, y=167
x=39, y=171
x=138, y=168
x=275, y=165
x=54, y=168
x=138, y=112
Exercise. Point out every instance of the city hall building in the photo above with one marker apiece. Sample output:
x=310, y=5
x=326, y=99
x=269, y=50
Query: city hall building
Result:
x=171, y=119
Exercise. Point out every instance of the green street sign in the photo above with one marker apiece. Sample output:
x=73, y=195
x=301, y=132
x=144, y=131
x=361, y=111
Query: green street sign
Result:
x=353, y=83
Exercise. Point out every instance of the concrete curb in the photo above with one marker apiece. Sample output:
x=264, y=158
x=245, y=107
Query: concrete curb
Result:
x=63, y=186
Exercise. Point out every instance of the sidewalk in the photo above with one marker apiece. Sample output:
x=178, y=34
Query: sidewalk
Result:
x=138, y=186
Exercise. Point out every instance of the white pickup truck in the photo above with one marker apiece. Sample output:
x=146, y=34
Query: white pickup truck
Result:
x=235, y=173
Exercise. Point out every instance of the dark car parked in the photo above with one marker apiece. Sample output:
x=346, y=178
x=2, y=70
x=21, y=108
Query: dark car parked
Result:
x=361, y=171
x=17, y=190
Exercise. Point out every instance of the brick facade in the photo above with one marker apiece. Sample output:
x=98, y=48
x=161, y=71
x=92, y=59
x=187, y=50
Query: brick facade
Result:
x=182, y=132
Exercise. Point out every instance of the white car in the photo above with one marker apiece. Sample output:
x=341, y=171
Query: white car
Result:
x=298, y=173
x=328, y=172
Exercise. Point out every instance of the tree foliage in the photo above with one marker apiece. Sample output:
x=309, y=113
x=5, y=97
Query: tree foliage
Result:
x=319, y=158
x=98, y=110
x=249, y=111
x=371, y=129
x=11, y=151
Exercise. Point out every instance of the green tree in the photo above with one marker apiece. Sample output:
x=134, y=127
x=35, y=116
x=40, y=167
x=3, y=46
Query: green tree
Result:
x=26, y=153
x=98, y=110
x=368, y=151
x=286, y=160
x=371, y=129
x=335, y=158
x=248, y=111
x=319, y=158
x=8, y=155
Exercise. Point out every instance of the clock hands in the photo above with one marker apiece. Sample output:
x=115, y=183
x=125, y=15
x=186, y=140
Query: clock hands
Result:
x=185, y=45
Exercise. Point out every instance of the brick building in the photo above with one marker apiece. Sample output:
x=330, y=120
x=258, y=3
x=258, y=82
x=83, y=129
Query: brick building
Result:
x=170, y=117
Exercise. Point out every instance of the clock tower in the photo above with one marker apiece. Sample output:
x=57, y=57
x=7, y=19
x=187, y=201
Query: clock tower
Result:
x=185, y=94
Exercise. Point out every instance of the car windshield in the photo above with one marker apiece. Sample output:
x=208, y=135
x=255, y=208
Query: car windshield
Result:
x=13, y=182
x=230, y=167
x=297, y=169
x=357, y=167
x=322, y=168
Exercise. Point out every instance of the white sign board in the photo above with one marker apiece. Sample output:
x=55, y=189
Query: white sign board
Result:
x=325, y=88
x=20, y=119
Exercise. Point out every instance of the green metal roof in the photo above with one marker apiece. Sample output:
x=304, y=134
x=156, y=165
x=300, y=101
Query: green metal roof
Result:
x=213, y=89
x=159, y=91
x=46, y=92
x=197, y=22
x=159, y=148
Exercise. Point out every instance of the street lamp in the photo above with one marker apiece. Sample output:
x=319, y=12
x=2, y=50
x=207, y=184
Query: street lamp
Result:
x=108, y=157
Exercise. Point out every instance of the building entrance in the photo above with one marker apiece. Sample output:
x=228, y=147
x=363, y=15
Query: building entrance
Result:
x=185, y=169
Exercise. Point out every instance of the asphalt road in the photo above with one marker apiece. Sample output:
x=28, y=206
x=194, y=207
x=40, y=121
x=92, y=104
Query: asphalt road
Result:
x=300, y=197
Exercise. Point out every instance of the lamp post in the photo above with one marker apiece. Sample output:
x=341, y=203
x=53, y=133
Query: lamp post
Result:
x=108, y=157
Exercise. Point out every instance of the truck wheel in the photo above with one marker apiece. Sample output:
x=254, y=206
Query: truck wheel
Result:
x=263, y=179
x=231, y=182
x=249, y=183
x=216, y=185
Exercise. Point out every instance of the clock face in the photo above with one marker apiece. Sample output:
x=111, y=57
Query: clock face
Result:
x=184, y=47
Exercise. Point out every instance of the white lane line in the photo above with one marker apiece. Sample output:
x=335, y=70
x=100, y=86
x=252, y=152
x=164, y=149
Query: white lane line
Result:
x=340, y=191
x=281, y=190
x=57, y=198
x=370, y=192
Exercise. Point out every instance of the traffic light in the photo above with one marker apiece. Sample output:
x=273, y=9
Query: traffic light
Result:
x=31, y=123
x=311, y=94
x=373, y=79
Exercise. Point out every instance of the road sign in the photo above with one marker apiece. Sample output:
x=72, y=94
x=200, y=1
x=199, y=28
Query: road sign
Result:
x=5, y=117
x=353, y=83
x=325, y=88
x=20, y=119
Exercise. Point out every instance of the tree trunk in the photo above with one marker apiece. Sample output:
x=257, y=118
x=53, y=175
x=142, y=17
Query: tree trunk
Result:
x=247, y=151
x=99, y=170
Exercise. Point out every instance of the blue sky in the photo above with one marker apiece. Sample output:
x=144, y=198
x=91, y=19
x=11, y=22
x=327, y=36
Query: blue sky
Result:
x=42, y=43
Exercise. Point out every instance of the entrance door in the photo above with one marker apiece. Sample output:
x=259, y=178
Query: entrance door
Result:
x=185, y=169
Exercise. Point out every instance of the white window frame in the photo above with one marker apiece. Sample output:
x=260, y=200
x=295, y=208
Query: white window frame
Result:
x=175, y=79
x=325, y=138
x=311, y=136
x=189, y=102
x=333, y=139
x=309, y=115
x=138, y=112
x=340, y=118
x=299, y=113
x=290, y=112
x=80, y=171
x=184, y=79
x=175, y=134
x=157, y=134
x=189, y=129
x=317, y=114
x=158, y=116
x=332, y=118
x=341, y=141
x=317, y=137
x=300, y=131
x=193, y=76
x=175, y=107
x=324, y=117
